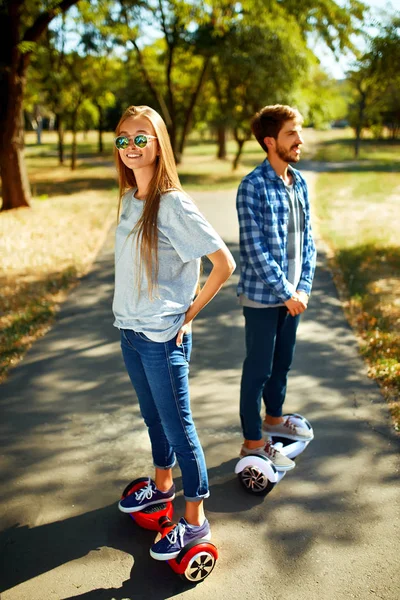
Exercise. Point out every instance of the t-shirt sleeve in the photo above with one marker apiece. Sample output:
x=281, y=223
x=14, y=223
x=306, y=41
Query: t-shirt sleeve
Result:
x=187, y=229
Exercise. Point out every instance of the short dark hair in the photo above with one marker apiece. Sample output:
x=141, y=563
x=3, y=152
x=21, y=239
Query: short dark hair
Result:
x=269, y=121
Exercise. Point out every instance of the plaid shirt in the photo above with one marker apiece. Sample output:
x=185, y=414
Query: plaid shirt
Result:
x=263, y=211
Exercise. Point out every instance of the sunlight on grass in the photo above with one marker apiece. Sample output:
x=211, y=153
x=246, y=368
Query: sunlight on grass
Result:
x=357, y=208
x=338, y=146
x=43, y=252
x=358, y=217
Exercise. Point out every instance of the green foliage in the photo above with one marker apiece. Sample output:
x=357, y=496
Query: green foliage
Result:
x=333, y=22
x=172, y=54
x=73, y=83
x=88, y=116
x=321, y=99
x=254, y=61
x=376, y=83
x=25, y=47
x=257, y=64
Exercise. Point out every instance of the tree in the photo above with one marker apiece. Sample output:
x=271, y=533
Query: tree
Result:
x=263, y=60
x=49, y=69
x=174, y=67
x=104, y=69
x=321, y=99
x=376, y=84
x=87, y=92
x=35, y=109
x=257, y=65
x=22, y=23
x=384, y=70
x=364, y=94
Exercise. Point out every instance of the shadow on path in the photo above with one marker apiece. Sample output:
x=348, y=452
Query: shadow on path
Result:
x=70, y=424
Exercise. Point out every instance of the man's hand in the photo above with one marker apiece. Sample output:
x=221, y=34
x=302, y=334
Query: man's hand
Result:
x=303, y=297
x=297, y=303
x=186, y=328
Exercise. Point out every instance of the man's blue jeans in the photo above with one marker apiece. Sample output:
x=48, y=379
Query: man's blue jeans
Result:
x=270, y=344
x=159, y=372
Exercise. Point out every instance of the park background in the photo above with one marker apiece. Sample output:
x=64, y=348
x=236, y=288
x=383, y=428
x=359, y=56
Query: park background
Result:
x=69, y=69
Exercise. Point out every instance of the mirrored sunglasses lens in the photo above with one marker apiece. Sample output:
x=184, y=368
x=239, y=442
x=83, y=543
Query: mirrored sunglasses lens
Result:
x=121, y=142
x=140, y=141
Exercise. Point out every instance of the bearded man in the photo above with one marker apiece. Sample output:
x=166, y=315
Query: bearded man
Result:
x=277, y=264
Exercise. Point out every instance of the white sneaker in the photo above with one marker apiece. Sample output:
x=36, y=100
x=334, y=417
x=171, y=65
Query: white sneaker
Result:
x=289, y=429
x=280, y=461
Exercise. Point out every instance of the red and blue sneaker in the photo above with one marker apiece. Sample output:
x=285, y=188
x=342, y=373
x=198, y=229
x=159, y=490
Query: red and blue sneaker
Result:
x=172, y=543
x=145, y=496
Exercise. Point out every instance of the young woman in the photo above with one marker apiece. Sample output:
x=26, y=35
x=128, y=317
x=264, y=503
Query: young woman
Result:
x=160, y=239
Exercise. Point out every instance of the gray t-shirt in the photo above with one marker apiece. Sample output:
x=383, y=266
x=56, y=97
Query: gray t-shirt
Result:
x=184, y=236
x=295, y=236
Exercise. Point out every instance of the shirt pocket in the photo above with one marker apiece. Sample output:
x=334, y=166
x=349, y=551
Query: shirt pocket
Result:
x=270, y=213
x=276, y=215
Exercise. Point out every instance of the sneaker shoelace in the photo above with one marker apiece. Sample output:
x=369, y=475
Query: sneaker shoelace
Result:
x=270, y=450
x=177, y=531
x=291, y=426
x=145, y=493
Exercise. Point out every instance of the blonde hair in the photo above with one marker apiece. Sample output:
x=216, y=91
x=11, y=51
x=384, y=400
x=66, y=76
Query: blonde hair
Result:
x=165, y=179
x=269, y=121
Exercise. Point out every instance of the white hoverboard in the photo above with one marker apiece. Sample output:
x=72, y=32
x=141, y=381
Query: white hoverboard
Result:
x=257, y=474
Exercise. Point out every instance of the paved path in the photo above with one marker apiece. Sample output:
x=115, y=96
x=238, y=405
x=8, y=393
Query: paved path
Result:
x=72, y=437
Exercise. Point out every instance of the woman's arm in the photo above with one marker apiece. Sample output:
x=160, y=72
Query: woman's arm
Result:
x=223, y=266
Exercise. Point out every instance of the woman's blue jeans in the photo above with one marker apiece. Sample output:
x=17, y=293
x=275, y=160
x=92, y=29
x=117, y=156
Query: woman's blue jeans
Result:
x=270, y=345
x=159, y=372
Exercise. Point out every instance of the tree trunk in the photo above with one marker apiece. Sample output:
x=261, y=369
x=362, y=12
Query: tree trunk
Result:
x=173, y=140
x=15, y=183
x=221, y=140
x=189, y=112
x=357, y=141
x=60, y=134
x=360, y=123
x=74, y=115
x=13, y=66
x=100, y=130
x=73, y=147
x=223, y=109
x=39, y=129
x=235, y=163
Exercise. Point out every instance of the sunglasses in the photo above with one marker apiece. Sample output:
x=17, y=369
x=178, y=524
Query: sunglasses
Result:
x=140, y=141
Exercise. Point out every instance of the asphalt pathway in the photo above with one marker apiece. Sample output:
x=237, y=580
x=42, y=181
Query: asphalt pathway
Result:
x=72, y=437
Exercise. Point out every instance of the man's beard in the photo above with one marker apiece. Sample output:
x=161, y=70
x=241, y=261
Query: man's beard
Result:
x=285, y=154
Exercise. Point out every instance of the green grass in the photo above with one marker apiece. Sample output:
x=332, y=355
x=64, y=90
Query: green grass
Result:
x=338, y=146
x=358, y=217
x=358, y=207
x=27, y=310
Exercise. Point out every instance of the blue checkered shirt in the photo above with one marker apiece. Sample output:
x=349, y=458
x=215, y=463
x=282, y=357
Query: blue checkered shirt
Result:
x=263, y=211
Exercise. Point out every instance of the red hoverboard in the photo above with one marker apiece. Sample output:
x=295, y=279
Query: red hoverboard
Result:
x=196, y=560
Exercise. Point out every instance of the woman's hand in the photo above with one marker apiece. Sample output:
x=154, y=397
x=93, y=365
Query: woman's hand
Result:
x=186, y=328
x=223, y=265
